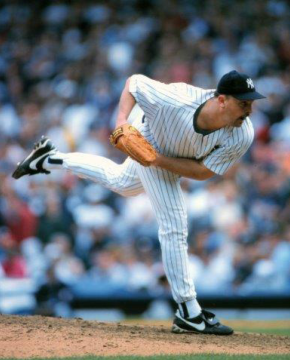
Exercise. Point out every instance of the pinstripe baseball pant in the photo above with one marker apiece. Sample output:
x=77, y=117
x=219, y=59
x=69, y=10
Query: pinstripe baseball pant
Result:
x=165, y=194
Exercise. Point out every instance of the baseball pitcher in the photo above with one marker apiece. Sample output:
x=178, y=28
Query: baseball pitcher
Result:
x=182, y=130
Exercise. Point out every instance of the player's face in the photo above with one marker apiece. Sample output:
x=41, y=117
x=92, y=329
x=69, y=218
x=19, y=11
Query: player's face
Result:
x=236, y=111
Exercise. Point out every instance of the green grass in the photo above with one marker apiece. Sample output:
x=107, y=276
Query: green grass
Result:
x=176, y=357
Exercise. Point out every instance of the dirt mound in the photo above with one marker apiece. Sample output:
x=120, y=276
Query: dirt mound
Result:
x=37, y=336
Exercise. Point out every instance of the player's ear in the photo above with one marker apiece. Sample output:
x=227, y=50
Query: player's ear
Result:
x=222, y=100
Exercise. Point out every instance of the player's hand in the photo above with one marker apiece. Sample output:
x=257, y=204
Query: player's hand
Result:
x=130, y=141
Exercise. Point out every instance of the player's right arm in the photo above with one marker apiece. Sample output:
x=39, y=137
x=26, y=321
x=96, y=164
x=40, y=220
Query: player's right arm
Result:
x=225, y=155
x=190, y=168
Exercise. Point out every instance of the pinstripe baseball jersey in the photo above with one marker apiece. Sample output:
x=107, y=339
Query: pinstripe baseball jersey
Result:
x=170, y=124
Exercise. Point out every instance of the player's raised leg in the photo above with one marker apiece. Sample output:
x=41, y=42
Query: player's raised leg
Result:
x=33, y=163
x=45, y=157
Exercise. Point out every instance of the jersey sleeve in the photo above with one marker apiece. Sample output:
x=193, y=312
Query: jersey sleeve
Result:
x=153, y=95
x=225, y=155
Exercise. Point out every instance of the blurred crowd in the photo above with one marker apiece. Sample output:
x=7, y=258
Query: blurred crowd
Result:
x=63, y=65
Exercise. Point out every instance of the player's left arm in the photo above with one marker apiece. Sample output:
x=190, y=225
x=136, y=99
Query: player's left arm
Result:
x=126, y=104
x=152, y=95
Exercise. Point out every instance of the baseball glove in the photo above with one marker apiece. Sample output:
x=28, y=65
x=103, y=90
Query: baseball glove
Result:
x=130, y=141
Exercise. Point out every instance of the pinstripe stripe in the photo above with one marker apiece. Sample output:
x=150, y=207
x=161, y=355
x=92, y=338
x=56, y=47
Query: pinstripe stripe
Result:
x=148, y=180
x=119, y=178
x=170, y=143
x=161, y=187
x=162, y=236
x=169, y=196
x=233, y=148
x=161, y=131
x=182, y=243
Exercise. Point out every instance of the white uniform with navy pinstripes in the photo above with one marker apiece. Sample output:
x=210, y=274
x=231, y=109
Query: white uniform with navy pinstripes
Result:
x=168, y=124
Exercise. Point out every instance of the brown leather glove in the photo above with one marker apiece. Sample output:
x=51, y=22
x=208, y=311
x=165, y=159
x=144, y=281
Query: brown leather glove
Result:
x=130, y=141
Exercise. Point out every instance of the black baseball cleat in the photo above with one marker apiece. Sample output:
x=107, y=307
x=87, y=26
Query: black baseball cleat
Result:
x=205, y=323
x=33, y=164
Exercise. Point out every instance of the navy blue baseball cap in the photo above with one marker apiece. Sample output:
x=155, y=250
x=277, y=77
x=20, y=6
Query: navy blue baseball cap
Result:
x=238, y=85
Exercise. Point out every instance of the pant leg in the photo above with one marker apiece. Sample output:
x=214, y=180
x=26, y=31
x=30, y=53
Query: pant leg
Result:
x=165, y=193
x=122, y=179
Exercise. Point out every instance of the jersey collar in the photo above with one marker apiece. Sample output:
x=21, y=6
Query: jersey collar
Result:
x=196, y=128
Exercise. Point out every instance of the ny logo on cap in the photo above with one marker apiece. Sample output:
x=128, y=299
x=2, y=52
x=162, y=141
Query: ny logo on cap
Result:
x=250, y=83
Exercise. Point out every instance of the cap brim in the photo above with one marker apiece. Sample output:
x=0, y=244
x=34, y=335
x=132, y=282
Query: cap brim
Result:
x=249, y=96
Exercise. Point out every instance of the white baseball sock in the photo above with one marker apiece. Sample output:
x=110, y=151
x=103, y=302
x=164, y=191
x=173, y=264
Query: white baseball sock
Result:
x=54, y=162
x=189, y=309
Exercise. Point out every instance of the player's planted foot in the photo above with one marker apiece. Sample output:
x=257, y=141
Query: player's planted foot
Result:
x=33, y=164
x=205, y=323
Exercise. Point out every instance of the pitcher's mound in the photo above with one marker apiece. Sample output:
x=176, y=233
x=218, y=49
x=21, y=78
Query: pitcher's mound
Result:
x=38, y=336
